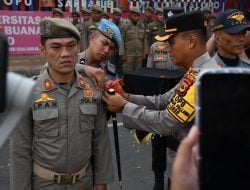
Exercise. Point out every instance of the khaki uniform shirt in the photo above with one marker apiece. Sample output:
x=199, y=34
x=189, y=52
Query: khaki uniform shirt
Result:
x=63, y=131
x=155, y=28
x=171, y=113
x=89, y=27
x=134, y=41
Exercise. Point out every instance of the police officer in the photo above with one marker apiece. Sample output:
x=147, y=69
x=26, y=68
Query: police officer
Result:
x=171, y=113
x=115, y=59
x=156, y=27
x=86, y=14
x=230, y=36
x=57, y=13
x=134, y=45
x=75, y=15
x=62, y=142
x=90, y=26
x=148, y=16
x=104, y=41
x=159, y=58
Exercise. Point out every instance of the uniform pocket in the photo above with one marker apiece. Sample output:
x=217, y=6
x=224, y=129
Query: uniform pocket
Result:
x=88, y=113
x=46, y=122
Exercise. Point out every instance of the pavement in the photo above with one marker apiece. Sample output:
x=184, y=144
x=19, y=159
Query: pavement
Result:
x=135, y=162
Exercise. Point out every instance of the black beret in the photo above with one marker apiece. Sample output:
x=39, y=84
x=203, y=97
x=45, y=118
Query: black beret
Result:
x=170, y=11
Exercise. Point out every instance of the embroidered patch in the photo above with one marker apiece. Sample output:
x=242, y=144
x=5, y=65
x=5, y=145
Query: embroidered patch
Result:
x=237, y=16
x=88, y=92
x=47, y=84
x=182, y=105
x=82, y=82
x=44, y=98
x=161, y=47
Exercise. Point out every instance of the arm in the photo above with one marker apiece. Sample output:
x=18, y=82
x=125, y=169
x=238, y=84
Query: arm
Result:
x=21, y=155
x=211, y=45
x=150, y=61
x=97, y=75
x=102, y=159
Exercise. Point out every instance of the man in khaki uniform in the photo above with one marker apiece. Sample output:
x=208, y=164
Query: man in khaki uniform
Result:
x=90, y=26
x=134, y=44
x=155, y=28
x=62, y=142
x=86, y=14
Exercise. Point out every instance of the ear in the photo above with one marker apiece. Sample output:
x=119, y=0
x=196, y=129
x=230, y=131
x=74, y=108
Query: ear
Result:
x=217, y=37
x=192, y=41
x=42, y=51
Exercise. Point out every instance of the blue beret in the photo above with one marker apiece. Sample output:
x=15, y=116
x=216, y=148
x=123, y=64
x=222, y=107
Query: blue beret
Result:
x=110, y=30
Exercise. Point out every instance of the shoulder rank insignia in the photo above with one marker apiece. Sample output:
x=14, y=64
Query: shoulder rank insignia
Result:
x=47, y=84
x=44, y=98
x=88, y=92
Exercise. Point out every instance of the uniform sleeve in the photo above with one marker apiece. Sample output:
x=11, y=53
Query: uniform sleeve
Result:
x=21, y=155
x=123, y=35
x=103, y=168
x=148, y=113
x=150, y=58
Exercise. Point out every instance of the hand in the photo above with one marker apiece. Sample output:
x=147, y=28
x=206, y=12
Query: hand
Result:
x=114, y=102
x=97, y=76
x=185, y=172
x=100, y=187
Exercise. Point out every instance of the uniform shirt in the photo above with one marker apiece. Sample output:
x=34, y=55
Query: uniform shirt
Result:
x=134, y=41
x=155, y=28
x=240, y=63
x=64, y=130
x=171, y=113
x=159, y=58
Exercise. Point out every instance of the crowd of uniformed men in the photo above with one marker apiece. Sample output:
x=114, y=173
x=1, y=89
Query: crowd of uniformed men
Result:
x=48, y=137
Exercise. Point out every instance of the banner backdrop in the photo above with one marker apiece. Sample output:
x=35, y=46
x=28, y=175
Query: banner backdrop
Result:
x=22, y=30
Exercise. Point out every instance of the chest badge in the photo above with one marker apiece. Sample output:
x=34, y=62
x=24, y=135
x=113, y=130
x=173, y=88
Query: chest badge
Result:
x=44, y=98
x=88, y=92
x=47, y=84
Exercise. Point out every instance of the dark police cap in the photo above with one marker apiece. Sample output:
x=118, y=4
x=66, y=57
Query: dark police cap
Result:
x=231, y=21
x=110, y=30
x=181, y=23
x=170, y=11
x=58, y=28
x=57, y=11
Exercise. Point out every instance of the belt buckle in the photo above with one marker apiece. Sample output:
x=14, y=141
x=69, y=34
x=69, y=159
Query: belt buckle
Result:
x=65, y=179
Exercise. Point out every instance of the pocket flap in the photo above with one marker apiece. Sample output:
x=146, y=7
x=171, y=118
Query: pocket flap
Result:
x=88, y=109
x=43, y=114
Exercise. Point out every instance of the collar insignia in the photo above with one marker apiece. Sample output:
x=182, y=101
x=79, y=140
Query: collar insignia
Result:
x=88, y=92
x=82, y=82
x=47, y=84
x=44, y=98
x=237, y=16
x=108, y=32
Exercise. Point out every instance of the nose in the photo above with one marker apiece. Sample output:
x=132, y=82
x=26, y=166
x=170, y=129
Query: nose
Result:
x=65, y=52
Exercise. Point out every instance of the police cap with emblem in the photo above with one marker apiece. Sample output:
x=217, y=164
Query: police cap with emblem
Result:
x=159, y=10
x=58, y=28
x=110, y=30
x=231, y=21
x=168, y=12
x=181, y=23
x=97, y=8
x=117, y=10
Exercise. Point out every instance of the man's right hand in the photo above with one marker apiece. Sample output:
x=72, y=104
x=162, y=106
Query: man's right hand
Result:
x=97, y=76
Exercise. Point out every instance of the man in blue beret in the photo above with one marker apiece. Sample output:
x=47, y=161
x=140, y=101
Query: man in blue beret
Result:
x=62, y=142
x=105, y=40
